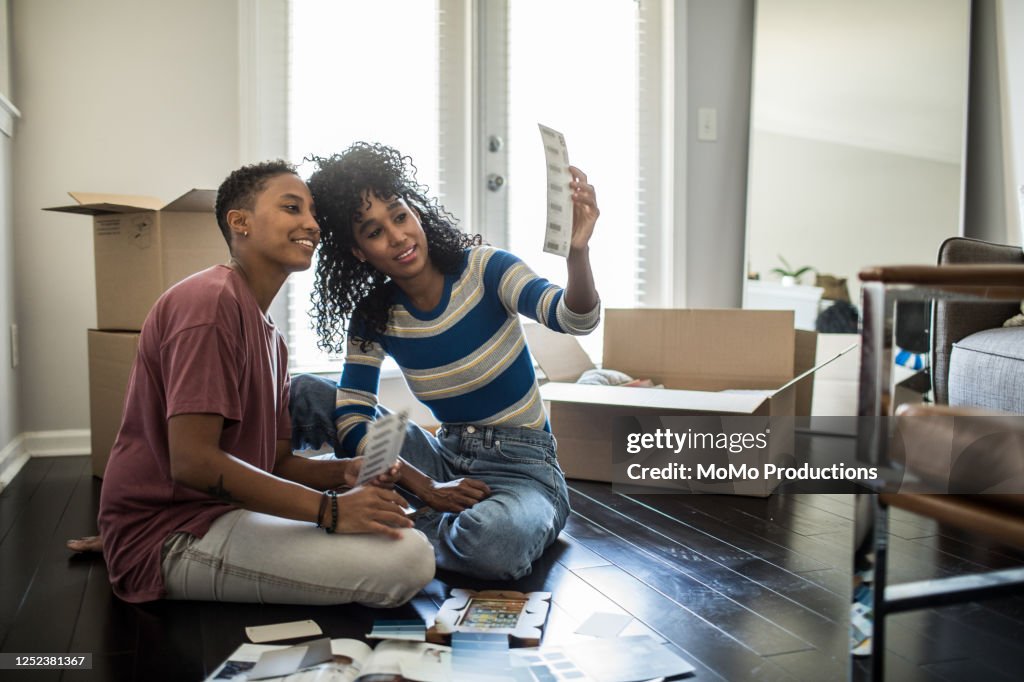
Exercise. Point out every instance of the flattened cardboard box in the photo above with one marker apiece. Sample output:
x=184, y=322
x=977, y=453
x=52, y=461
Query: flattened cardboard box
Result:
x=711, y=362
x=111, y=355
x=142, y=247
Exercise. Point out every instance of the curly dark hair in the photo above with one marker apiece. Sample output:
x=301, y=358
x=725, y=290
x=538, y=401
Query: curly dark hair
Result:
x=345, y=288
x=240, y=188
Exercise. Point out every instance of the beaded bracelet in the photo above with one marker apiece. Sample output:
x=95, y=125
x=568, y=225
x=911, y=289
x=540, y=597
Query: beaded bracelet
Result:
x=320, y=514
x=334, y=512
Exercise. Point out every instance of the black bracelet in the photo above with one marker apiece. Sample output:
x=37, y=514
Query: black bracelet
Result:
x=320, y=514
x=334, y=512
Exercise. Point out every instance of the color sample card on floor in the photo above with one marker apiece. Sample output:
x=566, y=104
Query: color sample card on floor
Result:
x=480, y=657
x=276, y=632
x=410, y=630
x=604, y=624
x=618, y=659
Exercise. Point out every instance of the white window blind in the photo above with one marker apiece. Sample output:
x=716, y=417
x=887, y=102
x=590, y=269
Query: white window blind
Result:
x=586, y=88
x=358, y=71
x=590, y=69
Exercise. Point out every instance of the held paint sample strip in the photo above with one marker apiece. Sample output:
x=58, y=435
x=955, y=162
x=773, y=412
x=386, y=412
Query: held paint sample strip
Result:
x=558, y=230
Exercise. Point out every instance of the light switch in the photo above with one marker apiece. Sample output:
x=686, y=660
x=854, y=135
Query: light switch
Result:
x=707, y=124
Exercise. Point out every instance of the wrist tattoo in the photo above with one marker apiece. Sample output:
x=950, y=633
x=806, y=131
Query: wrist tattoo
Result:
x=220, y=492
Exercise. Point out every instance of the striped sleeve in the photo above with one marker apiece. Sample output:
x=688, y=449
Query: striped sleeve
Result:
x=522, y=291
x=356, y=399
x=577, y=324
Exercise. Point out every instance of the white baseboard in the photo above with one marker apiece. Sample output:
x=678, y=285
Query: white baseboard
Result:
x=12, y=458
x=57, y=443
x=41, y=444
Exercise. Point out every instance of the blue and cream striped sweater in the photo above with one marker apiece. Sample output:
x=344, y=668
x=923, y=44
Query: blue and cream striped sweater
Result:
x=467, y=358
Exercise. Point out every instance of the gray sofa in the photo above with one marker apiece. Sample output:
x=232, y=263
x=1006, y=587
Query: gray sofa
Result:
x=978, y=362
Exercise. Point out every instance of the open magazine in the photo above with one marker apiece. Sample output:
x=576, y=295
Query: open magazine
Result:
x=350, y=661
x=473, y=658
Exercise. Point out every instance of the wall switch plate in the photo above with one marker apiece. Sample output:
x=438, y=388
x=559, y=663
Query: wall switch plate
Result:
x=707, y=124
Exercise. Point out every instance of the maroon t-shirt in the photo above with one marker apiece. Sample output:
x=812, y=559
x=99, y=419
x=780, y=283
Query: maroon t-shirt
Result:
x=205, y=348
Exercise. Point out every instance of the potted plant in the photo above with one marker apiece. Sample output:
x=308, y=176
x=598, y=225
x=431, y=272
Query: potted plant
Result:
x=790, y=276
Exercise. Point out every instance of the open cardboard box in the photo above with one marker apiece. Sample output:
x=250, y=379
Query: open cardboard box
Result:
x=700, y=356
x=142, y=247
x=111, y=355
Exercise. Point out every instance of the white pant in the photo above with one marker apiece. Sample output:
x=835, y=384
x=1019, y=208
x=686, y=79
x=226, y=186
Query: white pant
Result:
x=251, y=557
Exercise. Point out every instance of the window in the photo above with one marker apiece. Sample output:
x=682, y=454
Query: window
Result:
x=586, y=89
x=442, y=80
x=357, y=74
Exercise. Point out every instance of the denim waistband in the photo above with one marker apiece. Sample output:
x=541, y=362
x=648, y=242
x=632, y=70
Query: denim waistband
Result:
x=489, y=434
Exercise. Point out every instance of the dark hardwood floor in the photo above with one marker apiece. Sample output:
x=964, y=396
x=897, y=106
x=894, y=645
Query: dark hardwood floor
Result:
x=744, y=588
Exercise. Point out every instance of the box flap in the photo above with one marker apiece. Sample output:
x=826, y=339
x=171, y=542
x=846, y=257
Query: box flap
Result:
x=803, y=360
x=195, y=200
x=655, y=398
x=92, y=203
x=703, y=350
x=560, y=355
x=809, y=372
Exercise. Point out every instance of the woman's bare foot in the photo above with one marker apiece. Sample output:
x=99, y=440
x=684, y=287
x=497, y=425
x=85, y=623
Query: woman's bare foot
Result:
x=89, y=543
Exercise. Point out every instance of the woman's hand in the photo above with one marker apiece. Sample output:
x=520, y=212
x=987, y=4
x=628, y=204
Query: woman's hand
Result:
x=385, y=480
x=370, y=509
x=584, y=210
x=455, y=496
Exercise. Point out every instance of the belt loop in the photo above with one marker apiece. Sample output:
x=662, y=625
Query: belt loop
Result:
x=488, y=436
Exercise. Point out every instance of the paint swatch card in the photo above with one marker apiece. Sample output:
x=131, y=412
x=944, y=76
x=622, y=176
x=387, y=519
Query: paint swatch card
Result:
x=384, y=440
x=604, y=624
x=278, y=631
x=558, y=230
x=411, y=630
x=287, y=661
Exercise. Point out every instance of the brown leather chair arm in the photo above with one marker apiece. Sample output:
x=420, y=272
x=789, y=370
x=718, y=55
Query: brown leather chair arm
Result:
x=937, y=275
x=922, y=410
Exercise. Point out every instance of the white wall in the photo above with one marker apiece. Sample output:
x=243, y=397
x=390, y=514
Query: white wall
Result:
x=8, y=376
x=122, y=96
x=914, y=205
x=5, y=48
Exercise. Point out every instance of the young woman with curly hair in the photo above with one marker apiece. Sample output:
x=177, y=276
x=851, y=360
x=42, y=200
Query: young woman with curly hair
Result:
x=396, y=274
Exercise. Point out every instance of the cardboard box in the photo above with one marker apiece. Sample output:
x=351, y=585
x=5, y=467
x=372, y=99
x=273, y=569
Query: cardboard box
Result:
x=142, y=247
x=711, y=362
x=835, y=386
x=111, y=355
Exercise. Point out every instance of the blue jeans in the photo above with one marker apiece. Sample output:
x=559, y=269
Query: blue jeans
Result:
x=499, y=537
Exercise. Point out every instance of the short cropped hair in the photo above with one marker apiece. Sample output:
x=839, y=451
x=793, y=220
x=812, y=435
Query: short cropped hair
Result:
x=240, y=188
